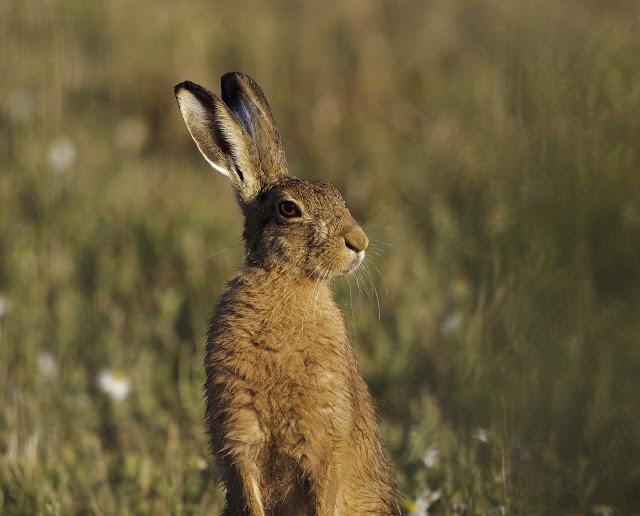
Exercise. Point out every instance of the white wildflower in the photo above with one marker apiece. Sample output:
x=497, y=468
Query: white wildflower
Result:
x=46, y=364
x=481, y=434
x=431, y=457
x=114, y=384
x=62, y=154
x=451, y=324
x=424, y=501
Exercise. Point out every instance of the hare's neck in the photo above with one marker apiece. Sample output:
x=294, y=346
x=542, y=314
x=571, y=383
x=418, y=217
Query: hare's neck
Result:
x=274, y=306
x=276, y=288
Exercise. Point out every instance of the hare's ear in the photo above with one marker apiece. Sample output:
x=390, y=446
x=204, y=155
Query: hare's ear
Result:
x=223, y=142
x=250, y=107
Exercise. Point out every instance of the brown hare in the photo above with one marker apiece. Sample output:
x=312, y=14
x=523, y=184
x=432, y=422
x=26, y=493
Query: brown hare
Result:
x=292, y=424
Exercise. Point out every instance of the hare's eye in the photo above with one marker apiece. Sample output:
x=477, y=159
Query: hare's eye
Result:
x=289, y=209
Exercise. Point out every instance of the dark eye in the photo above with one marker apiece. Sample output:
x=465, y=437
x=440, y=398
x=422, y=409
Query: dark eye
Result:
x=289, y=209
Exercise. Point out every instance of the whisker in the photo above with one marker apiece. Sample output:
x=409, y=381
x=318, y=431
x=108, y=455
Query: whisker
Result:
x=353, y=320
x=375, y=290
x=377, y=248
x=306, y=305
x=314, y=295
x=237, y=244
x=365, y=284
x=361, y=295
x=379, y=241
x=378, y=252
x=384, y=283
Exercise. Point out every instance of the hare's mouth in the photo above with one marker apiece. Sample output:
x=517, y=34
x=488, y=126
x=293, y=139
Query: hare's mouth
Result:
x=355, y=263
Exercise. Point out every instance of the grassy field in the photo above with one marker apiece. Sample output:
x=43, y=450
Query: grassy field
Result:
x=492, y=149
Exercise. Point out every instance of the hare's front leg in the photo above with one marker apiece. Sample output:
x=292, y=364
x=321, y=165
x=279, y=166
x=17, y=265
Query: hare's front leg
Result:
x=242, y=445
x=251, y=488
x=244, y=497
x=326, y=487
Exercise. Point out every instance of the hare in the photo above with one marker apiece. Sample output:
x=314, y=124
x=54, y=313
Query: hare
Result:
x=292, y=424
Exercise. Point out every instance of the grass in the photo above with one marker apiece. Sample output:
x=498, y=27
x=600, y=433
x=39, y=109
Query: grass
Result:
x=491, y=147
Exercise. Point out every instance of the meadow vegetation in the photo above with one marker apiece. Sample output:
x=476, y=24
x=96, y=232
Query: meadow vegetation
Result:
x=491, y=149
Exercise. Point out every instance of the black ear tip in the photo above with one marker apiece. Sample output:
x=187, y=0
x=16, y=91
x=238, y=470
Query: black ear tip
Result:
x=230, y=83
x=185, y=85
x=231, y=77
x=199, y=92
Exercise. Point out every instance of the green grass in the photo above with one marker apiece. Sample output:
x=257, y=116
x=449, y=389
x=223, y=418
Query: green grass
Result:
x=492, y=149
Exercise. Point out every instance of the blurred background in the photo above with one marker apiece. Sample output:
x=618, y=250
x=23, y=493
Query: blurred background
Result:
x=492, y=150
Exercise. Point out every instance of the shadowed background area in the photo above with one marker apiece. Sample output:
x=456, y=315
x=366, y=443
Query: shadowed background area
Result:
x=489, y=147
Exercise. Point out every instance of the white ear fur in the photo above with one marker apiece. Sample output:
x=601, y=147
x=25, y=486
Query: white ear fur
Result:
x=196, y=117
x=220, y=138
x=193, y=111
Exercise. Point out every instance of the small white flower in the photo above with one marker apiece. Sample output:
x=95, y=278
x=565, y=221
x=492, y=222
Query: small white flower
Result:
x=47, y=364
x=431, y=457
x=603, y=510
x=418, y=508
x=451, y=324
x=114, y=384
x=62, y=154
x=5, y=306
x=424, y=501
x=481, y=434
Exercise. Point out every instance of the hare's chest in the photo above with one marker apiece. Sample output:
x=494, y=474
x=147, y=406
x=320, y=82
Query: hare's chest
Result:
x=307, y=405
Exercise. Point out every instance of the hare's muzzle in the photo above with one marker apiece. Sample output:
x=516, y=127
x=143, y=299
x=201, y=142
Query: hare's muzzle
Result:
x=356, y=240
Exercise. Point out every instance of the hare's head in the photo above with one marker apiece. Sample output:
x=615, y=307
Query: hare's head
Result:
x=301, y=227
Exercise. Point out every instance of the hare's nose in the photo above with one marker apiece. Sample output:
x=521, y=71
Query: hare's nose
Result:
x=356, y=240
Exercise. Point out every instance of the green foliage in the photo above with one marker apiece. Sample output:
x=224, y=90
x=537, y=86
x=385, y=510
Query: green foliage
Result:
x=492, y=149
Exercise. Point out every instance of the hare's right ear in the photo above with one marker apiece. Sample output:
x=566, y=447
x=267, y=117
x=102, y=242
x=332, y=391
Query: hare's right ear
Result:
x=222, y=141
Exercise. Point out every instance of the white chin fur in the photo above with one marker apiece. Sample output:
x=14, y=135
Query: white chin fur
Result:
x=355, y=263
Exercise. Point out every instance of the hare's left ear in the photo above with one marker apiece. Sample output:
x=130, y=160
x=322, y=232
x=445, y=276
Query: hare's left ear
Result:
x=250, y=107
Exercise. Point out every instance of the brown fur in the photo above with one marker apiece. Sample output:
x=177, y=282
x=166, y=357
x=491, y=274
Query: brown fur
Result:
x=292, y=424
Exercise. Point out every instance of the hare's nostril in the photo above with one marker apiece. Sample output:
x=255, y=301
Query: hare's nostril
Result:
x=351, y=246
